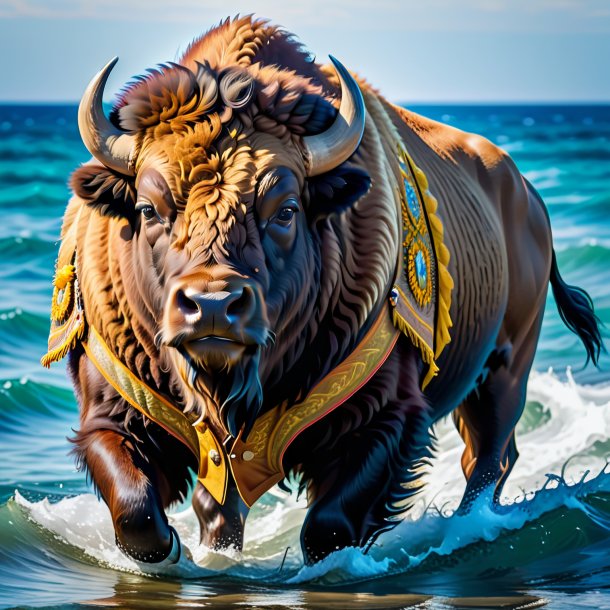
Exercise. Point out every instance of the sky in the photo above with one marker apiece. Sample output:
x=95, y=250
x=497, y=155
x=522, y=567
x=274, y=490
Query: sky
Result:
x=439, y=51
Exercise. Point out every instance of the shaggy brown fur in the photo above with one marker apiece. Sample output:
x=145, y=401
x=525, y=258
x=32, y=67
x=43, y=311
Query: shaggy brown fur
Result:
x=219, y=149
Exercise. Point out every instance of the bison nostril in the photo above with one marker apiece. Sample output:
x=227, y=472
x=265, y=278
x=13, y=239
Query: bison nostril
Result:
x=185, y=304
x=242, y=305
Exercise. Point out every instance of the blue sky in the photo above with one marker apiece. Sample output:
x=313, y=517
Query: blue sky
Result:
x=413, y=51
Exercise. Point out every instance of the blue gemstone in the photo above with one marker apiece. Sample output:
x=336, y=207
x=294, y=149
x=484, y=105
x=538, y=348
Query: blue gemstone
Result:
x=421, y=270
x=412, y=200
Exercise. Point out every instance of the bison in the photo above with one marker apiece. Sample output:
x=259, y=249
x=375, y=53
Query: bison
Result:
x=268, y=270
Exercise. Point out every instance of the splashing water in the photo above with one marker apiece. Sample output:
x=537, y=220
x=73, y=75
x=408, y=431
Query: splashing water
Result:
x=564, y=516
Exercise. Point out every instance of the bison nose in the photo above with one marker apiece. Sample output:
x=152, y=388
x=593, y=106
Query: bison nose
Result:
x=219, y=313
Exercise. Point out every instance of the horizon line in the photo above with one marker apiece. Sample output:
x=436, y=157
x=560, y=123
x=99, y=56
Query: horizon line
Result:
x=402, y=103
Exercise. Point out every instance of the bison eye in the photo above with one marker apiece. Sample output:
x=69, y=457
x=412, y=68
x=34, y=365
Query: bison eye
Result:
x=286, y=213
x=146, y=209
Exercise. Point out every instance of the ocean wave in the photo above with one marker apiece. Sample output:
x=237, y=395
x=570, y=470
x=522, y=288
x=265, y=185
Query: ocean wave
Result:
x=545, y=178
x=556, y=487
x=26, y=248
x=19, y=176
x=38, y=154
x=34, y=192
x=569, y=199
x=21, y=330
x=589, y=251
x=552, y=523
x=28, y=407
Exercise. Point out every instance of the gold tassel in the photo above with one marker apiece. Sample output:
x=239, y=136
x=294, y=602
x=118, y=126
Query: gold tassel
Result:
x=69, y=342
x=63, y=337
x=63, y=283
x=63, y=276
x=426, y=353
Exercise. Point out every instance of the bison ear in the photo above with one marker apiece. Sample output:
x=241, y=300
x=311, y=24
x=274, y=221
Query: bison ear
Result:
x=336, y=191
x=109, y=192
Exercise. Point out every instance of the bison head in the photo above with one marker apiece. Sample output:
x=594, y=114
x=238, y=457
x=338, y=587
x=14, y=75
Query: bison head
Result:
x=224, y=176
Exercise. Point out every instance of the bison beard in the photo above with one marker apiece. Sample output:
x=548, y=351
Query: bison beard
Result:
x=233, y=389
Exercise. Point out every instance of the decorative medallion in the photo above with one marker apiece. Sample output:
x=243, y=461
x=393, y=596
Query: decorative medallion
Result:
x=418, y=271
x=421, y=294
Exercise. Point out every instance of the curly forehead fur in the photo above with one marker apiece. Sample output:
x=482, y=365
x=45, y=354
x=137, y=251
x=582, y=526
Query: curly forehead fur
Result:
x=195, y=117
x=239, y=57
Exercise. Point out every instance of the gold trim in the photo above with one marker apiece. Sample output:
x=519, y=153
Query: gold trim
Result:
x=67, y=335
x=445, y=281
x=408, y=304
x=197, y=437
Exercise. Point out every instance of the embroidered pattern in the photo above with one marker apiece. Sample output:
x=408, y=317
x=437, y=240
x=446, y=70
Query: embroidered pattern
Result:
x=422, y=294
x=415, y=238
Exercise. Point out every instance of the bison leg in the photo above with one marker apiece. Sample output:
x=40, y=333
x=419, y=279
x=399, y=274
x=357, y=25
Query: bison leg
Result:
x=355, y=498
x=127, y=485
x=221, y=525
x=136, y=466
x=355, y=485
x=487, y=418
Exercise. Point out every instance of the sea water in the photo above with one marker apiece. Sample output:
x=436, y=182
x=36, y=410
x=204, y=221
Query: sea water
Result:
x=548, y=543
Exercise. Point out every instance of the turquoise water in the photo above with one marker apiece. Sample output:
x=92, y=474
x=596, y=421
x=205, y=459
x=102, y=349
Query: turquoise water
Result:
x=547, y=545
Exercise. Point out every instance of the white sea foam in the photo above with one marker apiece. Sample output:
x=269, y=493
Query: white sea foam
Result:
x=577, y=417
x=571, y=419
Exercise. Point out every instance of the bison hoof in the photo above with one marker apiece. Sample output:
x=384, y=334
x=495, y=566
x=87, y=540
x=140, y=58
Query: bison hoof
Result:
x=147, y=539
x=323, y=535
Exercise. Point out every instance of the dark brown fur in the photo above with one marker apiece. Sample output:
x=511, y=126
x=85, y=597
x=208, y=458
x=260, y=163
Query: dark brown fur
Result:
x=208, y=163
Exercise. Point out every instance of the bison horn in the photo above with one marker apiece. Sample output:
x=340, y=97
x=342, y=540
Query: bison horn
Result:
x=108, y=144
x=338, y=143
